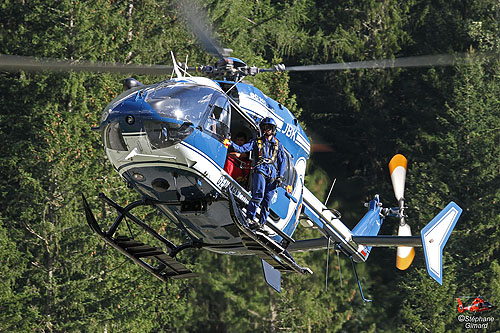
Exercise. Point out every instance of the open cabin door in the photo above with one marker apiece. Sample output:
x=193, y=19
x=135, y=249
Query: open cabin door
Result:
x=215, y=129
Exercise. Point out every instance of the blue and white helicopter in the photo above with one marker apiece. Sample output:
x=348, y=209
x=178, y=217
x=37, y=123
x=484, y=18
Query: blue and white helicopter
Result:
x=167, y=141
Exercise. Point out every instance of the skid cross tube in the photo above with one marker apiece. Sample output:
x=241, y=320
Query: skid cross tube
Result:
x=125, y=212
x=190, y=245
x=121, y=213
x=142, y=254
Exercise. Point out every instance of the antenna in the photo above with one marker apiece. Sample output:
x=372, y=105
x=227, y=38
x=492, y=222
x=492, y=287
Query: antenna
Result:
x=327, y=260
x=331, y=188
x=338, y=262
x=176, y=67
x=234, y=85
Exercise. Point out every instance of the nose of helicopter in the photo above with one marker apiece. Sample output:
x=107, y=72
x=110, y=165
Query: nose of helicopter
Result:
x=134, y=118
x=167, y=113
x=136, y=139
x=141, y=130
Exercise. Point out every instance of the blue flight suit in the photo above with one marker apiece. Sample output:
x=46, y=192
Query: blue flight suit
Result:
x=265, y=173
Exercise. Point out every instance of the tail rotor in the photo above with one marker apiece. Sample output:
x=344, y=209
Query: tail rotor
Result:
x=397, y=168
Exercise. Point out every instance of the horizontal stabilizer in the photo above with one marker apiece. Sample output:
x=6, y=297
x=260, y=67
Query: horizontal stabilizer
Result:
x=434, y=237
x=376, y=241
x=388, y=241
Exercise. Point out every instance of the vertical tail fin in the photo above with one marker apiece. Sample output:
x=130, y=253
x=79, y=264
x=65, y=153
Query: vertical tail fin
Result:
x=434, y=237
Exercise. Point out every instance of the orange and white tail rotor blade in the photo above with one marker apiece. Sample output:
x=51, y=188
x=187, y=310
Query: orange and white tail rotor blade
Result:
x=397, y=168
x=405, y=254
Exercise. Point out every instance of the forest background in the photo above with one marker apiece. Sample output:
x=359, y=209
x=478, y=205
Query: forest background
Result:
x=56, y=275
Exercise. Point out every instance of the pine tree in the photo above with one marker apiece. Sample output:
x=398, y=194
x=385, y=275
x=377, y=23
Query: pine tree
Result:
x=58, y=276
x=462, y=164
x=11, y=300
x=71, y=279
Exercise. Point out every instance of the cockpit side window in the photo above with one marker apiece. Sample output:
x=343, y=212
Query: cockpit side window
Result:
x=218, y=120
x=290, y=174
x=113, y=138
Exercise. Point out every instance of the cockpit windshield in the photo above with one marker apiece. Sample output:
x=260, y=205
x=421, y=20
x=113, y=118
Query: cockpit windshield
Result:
x=181, y=102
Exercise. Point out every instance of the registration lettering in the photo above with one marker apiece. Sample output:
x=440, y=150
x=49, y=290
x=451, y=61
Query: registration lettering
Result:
x=224, y=183
x=290, y=131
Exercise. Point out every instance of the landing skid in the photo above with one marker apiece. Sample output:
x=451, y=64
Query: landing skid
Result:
x=262, y=245
x=144, y=255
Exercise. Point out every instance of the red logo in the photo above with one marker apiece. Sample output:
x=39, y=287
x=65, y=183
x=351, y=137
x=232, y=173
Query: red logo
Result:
x=478, y=305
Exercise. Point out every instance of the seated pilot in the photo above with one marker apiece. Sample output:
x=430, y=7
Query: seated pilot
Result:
x=237, y=164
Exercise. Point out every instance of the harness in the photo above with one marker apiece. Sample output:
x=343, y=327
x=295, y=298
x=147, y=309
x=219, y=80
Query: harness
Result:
x=261, y=148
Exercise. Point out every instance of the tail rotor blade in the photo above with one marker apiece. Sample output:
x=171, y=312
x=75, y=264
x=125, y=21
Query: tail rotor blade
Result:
x=397, y=168
x=405, y=254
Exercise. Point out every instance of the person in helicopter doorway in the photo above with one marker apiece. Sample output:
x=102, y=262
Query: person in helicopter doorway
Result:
x=237, y=164
x=268, y=171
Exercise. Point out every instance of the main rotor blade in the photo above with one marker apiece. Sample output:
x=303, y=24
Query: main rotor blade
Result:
x=197, y=24
x=17, y=63
x=416, y=61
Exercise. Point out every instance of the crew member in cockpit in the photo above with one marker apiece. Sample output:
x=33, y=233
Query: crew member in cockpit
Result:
x=268, y=170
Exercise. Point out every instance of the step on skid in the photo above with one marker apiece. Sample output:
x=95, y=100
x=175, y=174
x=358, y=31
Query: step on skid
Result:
x=142, y=254
x=262, y=245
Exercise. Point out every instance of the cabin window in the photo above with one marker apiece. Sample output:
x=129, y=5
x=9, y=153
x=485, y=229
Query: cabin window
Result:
x=113, y=137
x=290, y=174
x=218, y=120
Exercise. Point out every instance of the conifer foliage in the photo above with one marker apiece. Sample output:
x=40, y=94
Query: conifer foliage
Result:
x=57, y=276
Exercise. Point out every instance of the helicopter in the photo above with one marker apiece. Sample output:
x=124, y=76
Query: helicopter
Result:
x=167, y=141
x=478, y=305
